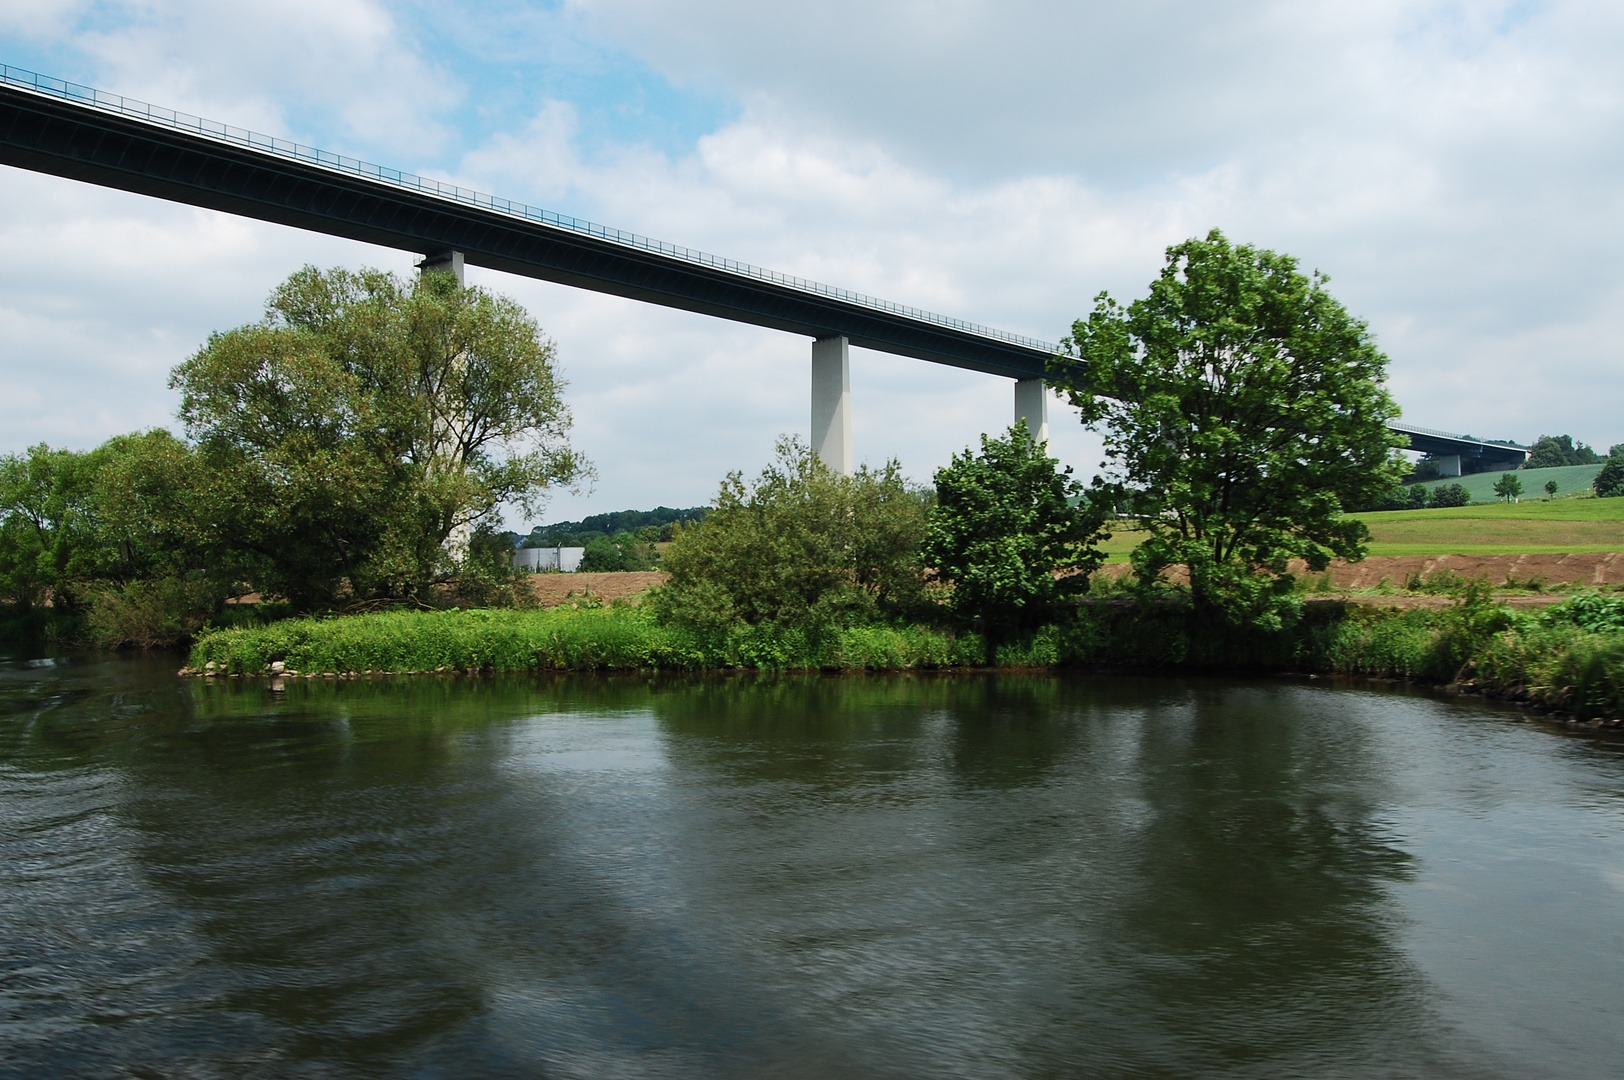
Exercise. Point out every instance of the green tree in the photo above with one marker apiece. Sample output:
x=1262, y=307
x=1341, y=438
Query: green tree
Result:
x=801, y=546
x=364, y=421
x=1449, y=495
x=1248, y=407
x=1609, y=482
x=47, y=526
x=1551, y=487
x=1553, y=451
x=602, y=554
x=1011, y=535
x=1508, y=487
x=118, y=535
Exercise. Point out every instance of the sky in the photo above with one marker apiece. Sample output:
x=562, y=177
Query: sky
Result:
x=1455, y=168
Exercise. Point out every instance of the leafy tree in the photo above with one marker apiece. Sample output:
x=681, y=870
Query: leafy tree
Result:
x=602, y=554
x=1450, y=495
x=802, y=546
x=118, y=535
x=47, y=525
x=364, y=421
x=1553, y=451
x=1609, y=482
x=1508, y=487
x=1247, y=405
x=1008, y=534
x=1551, y=487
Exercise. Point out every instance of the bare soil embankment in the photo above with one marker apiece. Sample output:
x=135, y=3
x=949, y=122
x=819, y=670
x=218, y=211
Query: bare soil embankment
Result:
x=1501, y=571
x=1583, y=568
x=555, y=589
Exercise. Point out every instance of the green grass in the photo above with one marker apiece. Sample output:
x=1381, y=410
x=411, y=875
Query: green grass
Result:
x=1570, y=657
x=621, y=637
x=1562, y=525
x=1525, y=528
x=1570, y=479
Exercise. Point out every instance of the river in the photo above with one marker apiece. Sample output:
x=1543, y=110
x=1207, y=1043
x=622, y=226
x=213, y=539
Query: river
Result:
x=920, y=876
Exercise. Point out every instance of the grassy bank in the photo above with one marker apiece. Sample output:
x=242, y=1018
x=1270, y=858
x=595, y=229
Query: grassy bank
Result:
x=1525, y=528
x=559, y=639
x=1562, y=525
x=1570, y=657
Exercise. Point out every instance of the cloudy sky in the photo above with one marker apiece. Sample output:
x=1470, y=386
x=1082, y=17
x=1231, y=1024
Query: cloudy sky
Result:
x=1454, y=167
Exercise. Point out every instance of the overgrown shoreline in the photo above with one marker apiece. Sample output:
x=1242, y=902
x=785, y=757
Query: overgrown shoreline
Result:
x=1569, y=659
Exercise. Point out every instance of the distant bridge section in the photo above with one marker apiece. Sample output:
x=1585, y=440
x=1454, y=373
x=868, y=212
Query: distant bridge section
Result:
x=1457, y=454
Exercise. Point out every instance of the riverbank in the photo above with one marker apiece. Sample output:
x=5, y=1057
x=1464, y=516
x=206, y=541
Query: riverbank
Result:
x=1568, y=658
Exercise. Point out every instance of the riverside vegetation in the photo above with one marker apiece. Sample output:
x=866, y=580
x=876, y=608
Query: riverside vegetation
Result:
x=347, y=456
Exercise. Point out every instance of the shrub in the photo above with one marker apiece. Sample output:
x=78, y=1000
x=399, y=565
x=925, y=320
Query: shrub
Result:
x=1450, y=495
x=1002, y=528
x=800, y=547
x=1610, y=481
x=148, y=614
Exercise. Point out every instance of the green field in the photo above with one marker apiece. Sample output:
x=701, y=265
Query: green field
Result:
x=1563, y=525
x=1525, y=528
x=1570, y=480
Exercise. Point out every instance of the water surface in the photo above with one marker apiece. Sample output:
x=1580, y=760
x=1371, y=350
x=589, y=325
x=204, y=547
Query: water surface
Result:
x=992, y=876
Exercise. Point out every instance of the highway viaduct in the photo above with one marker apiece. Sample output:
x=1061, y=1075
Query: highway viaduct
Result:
x=74, y=131
x=78, y=132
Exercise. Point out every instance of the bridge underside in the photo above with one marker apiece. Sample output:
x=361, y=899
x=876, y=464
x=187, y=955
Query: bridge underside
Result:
x=1458, y=455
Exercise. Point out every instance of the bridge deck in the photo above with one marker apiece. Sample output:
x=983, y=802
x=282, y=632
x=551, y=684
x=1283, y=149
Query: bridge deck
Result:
x=77, y=132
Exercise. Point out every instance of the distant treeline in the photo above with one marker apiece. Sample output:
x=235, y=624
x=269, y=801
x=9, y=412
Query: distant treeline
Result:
x=648, y=526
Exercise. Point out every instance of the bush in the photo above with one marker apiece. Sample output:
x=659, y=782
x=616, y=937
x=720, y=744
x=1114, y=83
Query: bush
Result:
x=802, y=547
x=161, y=612
x=1592, y=612
x=1450, y=495
x=1609, y=482
x=1005, y=537
x=601, y=555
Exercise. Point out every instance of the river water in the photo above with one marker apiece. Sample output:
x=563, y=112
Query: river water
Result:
x=928, y=876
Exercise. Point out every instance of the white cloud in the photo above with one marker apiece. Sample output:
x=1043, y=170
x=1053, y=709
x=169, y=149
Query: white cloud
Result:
x=261, y=65
x=1452, y=166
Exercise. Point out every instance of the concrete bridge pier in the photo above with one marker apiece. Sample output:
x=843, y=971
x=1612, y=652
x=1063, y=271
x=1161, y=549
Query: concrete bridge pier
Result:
x=831, y=403
x=450, y=262
x=1032, y=405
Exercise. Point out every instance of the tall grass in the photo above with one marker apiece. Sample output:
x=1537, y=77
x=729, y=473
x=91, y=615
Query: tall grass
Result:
x=1569, y=659
x=559, y=639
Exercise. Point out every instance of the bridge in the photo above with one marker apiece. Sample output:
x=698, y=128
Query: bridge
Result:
x=65, y=129
x=81, y=133
x=1457, y=454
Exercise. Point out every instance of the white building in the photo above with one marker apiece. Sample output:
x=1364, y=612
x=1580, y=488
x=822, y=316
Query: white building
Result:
x=567, y=559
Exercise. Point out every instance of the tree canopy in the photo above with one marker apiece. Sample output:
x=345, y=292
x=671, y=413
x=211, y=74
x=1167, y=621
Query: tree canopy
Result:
x=363, y=421
x=801, y=546
x=1508, y=487
x=1011, y=535
x=1552, y=451
x=1247, y=406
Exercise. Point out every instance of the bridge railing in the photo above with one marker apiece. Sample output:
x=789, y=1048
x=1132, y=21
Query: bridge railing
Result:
x=1414, y=429
x=141, y=110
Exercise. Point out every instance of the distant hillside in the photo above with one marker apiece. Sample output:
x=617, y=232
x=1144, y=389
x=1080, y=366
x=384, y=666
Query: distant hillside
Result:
x=1569, y=480
x=573, y=533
